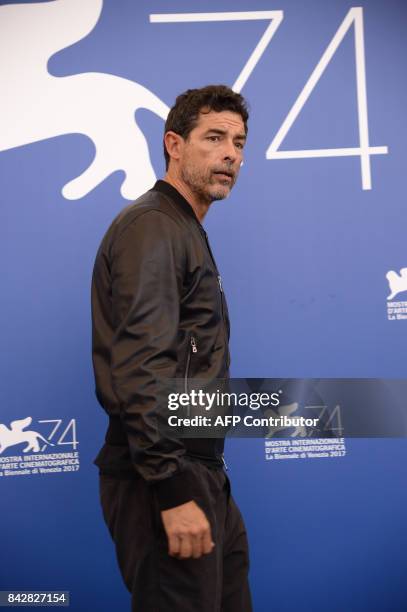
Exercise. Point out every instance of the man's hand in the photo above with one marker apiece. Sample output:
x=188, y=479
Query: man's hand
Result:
x=188, y=531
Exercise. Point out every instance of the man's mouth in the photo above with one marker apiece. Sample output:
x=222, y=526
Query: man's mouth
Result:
x=225, y=175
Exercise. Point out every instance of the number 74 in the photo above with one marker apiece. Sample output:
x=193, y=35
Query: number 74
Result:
x=354, y=16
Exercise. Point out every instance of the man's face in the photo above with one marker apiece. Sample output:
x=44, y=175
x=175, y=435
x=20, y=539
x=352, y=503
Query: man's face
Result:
x=212, y=154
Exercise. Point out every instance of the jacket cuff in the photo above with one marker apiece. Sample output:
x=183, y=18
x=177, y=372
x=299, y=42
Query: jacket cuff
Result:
x=173, y=491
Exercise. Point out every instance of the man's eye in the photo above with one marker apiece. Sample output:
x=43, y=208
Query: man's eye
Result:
x=239, y=145
x=213, y=138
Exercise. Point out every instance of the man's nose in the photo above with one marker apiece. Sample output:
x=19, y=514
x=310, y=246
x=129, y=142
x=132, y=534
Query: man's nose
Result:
x=230, y=152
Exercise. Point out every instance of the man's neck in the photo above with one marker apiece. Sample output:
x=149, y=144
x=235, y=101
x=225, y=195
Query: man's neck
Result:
x=199, y=207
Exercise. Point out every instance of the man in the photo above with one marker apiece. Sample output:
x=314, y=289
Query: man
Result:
x=159, y=312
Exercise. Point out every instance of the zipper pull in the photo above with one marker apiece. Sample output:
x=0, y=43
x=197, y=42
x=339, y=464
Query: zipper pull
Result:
x=220, y=283
x=193, y=344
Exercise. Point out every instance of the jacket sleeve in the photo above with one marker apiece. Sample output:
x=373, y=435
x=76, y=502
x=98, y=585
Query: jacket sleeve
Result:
x=147, y=268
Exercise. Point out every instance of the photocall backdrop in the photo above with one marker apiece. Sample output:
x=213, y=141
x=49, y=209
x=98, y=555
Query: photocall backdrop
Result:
x=311, y=245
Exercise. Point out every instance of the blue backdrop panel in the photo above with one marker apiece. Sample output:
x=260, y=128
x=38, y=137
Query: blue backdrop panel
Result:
x=311, y=245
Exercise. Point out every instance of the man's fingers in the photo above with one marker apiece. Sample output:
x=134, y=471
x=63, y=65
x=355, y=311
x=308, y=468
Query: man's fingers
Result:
x=196, y=542
x=207, y=543
x=173, y=545
x=190, y=545
x=185, y=547
x=188, y=531
x=195, y=546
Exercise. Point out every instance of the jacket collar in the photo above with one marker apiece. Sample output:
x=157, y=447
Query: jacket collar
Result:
x=175, y=195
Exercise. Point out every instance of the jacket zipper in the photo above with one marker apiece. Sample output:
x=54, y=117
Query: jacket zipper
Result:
x=192, y=349
x=219, y=283
x=217, y=272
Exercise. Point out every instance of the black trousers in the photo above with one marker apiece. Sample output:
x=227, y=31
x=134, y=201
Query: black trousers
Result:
x=216, y=582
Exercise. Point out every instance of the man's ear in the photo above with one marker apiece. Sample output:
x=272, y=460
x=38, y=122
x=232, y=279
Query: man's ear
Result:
x=173, y=143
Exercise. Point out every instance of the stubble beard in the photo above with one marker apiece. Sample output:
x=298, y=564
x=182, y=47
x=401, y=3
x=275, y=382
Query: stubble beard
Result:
x=204, y=185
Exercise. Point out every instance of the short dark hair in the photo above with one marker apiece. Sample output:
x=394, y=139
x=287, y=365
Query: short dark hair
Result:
x=184, y=115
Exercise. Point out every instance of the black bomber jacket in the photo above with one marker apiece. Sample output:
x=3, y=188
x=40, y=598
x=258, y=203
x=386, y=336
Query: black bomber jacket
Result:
x=157, y=305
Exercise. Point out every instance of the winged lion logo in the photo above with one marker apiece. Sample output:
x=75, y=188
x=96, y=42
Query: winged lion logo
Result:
x=397, y=283
x=17, y=435
x=35, y=105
